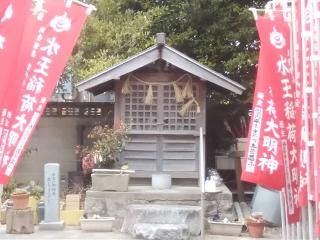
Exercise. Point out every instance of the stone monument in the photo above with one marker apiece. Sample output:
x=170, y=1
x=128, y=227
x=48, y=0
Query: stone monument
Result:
x=51, y=198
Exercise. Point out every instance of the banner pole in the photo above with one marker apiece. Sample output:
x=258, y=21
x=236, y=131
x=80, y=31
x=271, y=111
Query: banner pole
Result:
x=286, y=216
x=299, y=230
x=283, y=216
x=202, y=175
x=295, y=61
x=304, y=223
x=305, y=117
x=314, y=30
x=84, y=4
x=293, y=231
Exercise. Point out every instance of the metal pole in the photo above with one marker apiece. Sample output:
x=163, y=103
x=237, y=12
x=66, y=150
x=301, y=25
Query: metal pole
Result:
x=287, y=228
x=201, y=180
x=295, y=48
x=304, y=215
x=314, y=58
x=306, y=124
x=299, y=230
x=293, y=232
x=283, y=216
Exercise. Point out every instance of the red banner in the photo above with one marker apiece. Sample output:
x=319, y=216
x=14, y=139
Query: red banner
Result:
x=55, y=27
x=12, y=13
x=271, y=156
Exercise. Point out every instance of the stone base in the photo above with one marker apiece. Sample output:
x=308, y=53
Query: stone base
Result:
x=57, y=226
x=161, y=231
x=107, y=203
x=20, y=221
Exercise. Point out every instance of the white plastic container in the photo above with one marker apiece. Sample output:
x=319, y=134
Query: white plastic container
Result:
x=210, y=185
x=161, y=181
x=221, y=228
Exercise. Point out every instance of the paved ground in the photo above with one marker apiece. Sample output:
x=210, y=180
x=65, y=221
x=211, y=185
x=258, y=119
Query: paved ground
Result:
x=74, y=233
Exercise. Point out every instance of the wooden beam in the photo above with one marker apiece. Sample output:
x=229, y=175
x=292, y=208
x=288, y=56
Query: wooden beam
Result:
x=148, y=56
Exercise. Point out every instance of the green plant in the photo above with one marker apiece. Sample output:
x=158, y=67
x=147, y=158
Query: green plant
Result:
x=8, y=190
x=107, y=143
x=35, y=190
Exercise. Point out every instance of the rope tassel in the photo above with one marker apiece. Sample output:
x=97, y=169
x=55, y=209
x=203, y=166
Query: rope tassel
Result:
x=187, y=92
x=126, y=86
x=177, y=92
x=149, y=97
x=186, y=108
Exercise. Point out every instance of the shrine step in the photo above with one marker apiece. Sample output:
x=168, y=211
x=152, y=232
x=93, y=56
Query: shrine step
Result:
x=152, y=231
x=162, y=214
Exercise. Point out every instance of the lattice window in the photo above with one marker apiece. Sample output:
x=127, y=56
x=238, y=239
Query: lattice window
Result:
x=137, y=113
x=172, y=119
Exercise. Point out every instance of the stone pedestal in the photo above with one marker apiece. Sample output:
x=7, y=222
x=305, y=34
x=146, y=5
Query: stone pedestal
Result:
x=20, y=221
x=110, y=182
x=115, y=204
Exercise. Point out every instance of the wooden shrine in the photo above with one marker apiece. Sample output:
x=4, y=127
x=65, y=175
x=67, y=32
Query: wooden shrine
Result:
x=161, y=93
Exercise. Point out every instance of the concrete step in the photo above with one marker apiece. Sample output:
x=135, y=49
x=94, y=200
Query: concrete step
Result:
x=152, y=231
x=162, y=214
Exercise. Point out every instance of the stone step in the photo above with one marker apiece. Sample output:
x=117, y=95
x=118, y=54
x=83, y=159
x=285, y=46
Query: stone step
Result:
x=152, y=231
x=163, y=214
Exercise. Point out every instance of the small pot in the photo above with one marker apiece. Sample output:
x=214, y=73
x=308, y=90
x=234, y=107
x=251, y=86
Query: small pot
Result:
x=20, y=200
x=255, y=228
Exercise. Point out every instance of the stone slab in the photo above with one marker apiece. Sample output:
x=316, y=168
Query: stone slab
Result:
x=176, y=193
x=161, y=231
x=56, y=226
x=163, y=214
x=52, y=192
